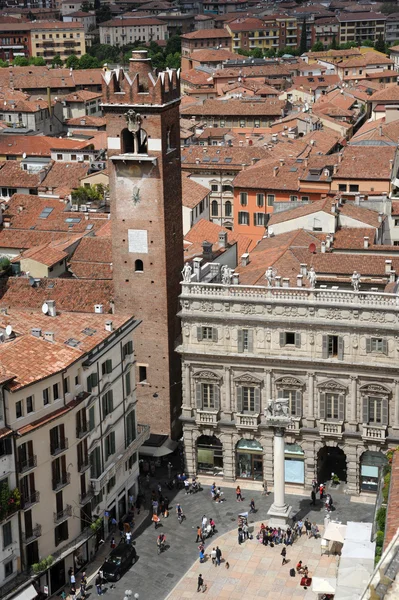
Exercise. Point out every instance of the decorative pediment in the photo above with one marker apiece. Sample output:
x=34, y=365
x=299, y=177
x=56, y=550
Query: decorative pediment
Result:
x=247, y=378
x=374, y=388
x=206, y=375
x=289, y=382
x=332, y=385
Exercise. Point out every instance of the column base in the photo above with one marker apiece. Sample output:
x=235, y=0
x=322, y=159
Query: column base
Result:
x=279, y=516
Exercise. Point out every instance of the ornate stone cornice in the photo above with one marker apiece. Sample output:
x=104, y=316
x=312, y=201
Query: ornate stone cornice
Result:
x=247, y=378
x=330, y=384
x=207, y=375
x=287, y=381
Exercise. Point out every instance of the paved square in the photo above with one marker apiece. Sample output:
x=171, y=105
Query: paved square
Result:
x=256, y=571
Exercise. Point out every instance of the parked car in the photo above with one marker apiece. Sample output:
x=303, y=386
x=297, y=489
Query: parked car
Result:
x=121, y=558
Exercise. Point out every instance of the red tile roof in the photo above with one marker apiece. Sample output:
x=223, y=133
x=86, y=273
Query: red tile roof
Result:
x=265, y=108
x=205, y=231
x=38, y=145
x=81, y=96
x=363, y=162
x=93, y=258
x=205, y=34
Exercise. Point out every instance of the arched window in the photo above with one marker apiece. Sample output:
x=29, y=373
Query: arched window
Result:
x=127, y=141
x=138, y=266
x=214, y=208
x=133, y=143
x=227, y=208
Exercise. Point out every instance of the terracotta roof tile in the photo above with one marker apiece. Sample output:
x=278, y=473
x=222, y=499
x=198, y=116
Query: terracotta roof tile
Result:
x=390, y=93
x=352, y=238
x=86, y=121
x=46, y=254
x=81, y=96
x=13, y=176
x=91, y=270
x=206, y=231
x=364, y=215
x=192, y=192
x=215, y=56
x=301, y=211
x=22, y=240
x=64, y=174
x=363, y=162
x=272, y=108
x=205, y=34
x=38, y=145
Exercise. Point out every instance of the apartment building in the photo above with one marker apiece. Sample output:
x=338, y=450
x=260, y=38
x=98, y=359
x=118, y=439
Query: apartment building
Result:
x=15, y=40
x=70, y=402
x=202, y=39
x=125, y=31
x=52, y=38
x=392, y=28
x=358, y=27
x=330, y=352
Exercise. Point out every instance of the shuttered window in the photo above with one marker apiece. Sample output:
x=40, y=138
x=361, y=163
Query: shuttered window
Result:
x=248, y=399
x=290, y=338
x=375, y=410
x=333, y=347
x=207, y=333
x=245, y=340
x=207, y=396
x=108, y=403
x=110, y=445
x=332, y=406
x=377, y=345
x=294, y=398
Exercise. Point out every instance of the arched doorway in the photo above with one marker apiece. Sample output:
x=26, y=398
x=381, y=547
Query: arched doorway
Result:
x=209, y=455
x=249, y=460
x=371, y=467
x=331, y=459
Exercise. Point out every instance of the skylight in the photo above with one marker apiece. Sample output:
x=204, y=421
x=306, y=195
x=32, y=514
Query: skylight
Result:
x=72, y=220
x=45, y=212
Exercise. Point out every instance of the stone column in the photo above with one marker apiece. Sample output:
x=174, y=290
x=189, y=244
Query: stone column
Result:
x=228, y=457
x=227, y=388
x=396, y=417
x=187, y=407
x=268, y=385
x=279, y=512
x=353, y=403
x=310, y=415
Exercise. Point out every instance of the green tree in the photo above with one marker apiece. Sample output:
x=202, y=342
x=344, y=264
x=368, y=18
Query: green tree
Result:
x=173, y=45
x=389, y=8
x=318, y=46
x=3, y=63
x=94, y=193
x=256, y=53
x=20, y=61
x=380, y=44
x=103, y=14
x=89, y=62
x=72, y=62
x=31, y=16
x=368, y=43
x=37, y=61
x=86, y=6
x=270, y=53
x=303, y=44
x=242, y=52
x=173, y=61
x=57, y=62
x=334, y=44
x=104, y=52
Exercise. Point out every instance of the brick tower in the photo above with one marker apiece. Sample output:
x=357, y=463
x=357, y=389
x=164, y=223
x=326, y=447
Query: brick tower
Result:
x=142, y=112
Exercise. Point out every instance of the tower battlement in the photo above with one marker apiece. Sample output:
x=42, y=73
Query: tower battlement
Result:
x=140, y=85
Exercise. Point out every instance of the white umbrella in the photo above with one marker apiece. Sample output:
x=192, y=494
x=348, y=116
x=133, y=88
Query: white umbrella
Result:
x=324, y=585
x=335, y=532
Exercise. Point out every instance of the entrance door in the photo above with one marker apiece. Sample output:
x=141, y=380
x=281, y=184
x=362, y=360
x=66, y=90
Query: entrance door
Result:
x=331, y=459
x=57, y=576
x=257, y=463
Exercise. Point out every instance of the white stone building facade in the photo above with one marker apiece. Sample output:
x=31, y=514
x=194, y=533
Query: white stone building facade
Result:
x=332, y=353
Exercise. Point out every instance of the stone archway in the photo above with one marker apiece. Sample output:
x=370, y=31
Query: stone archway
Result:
x=331, y=459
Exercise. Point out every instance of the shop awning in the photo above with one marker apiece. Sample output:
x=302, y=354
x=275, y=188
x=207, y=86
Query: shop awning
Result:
x=335, y=532
x=27, y=594
x=164, y=449
x=324, y=585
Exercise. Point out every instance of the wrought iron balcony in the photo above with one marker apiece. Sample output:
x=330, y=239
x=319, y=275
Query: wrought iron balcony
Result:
x=30, y=499
x=84, y=465
x=82, y=430
x=62, y=481
x=27, y=464
x=63, y=514
x=33, y=534
x=59, y=446
x=86, y=497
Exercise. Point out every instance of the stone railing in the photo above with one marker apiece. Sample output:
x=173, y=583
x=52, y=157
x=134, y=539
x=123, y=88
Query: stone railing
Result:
x=304, y=295
x=207, y=417
x=294, y=425
x=247, y=421
x=331, y=428
x=374, y=432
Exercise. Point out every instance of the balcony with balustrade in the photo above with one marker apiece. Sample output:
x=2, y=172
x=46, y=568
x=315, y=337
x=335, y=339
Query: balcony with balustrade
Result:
x=27, y=464
x=62, y=515
x=374, y=433
x=28, y=500
x=331, y=428
x=247, y=421
x=33, y=534
x=60, y=446
x=208, y=418
x=61, y=481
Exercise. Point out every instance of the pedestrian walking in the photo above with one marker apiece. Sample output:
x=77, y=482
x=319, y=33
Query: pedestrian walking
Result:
x=83, y=584
x=201, y=556
x=169, y=470
x=200, y=537
x=238, y=494
x=264, y=485
x=70, y=572
x=321, y=490
x=73, y=592
x=308, y=527
x=99, y=582
x=252, y=506
x=204, y=523
x=299, y=527
x=240, y=540
x=218, y=556
x=128, y=537
x=245, y=531
x=212, y=524
x=113, y=543
x=72, y=578
x=213, y=556
x=313, y=497
x=201, y=587
x=155, y=507
x=284, y=555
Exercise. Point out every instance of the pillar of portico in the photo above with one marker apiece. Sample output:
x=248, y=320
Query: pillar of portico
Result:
x=310, y=412
x=268, y=385
x=227, y=390
x=353, y=402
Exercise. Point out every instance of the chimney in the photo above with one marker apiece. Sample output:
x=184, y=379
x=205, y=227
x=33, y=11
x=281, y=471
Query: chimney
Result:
x=223, y=239
x=51, y=308
x=197, y=161
x=282, y=162
x=236, y=279
x=49, y=336
x=333, y=209
x=241, y=143
x=197, y=267
x=328, y=241
x=277, y=281
x=366, y=241
x=99, y=309
x=245, y=259
x=304, y=269
x=357, y=199
x=140, y=64
x=275, y=171
x=299, y=280
x=36, y=331
x=380, y=217
x=340, y=157
x=207, y=250
x=392, y=277
x=323, y=247
x=388, y=267
x=109, y=326
x=286, y=282
x=335, y=169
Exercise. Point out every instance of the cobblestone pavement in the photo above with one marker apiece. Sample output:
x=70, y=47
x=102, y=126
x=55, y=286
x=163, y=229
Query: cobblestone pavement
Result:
x=153, y=577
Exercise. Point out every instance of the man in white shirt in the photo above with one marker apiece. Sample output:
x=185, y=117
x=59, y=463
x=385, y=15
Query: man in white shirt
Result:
x=204, y=523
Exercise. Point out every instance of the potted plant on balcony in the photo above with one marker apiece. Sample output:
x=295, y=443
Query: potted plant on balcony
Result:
x=10, y=501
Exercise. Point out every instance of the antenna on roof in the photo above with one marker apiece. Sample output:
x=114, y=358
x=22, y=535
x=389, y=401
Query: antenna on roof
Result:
x=32, y=281
x=45, y=308
x=8, y=330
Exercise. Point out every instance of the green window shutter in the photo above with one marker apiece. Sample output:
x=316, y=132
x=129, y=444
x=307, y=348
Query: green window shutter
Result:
x=368, y=345
x=88, y=383
x=385, y=412
x=282, y=338
x=322, y=406
x=91, y=418
x=325, y=346
x=365, y=409
x=239, y=399
x=385, y=346
x=111, y=400
x=340, y=348
x=298, y=403
x=240, y=340
x=113, y=442
x=298, y=340
x=280, y=394
x=199, y=334
x=198, y=395
x=257, y=400
x=250, y=340
x=214, y=334
x=341, y=407
x=216, y=396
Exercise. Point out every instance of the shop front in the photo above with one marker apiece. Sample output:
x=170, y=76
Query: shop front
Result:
x=209, y=455
x=249, y=460
x=294, y=461
x=371, y=466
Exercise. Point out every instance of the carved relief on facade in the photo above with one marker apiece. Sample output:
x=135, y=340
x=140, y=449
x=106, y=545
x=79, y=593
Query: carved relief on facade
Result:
x=374, y=389
x=375, y=316
x=247, y=378
x=330, y=384
x=288, y=383
x=209, y=375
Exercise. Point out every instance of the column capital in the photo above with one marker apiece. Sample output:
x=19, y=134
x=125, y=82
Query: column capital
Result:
x=311, y=373
x=353, y=377
x=396, y=381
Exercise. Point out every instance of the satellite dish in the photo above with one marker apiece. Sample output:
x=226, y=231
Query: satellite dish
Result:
x=312, y=248
x=31, y=281
x=45, y=308
x=24, y=155
x=8, y=330
x=271, y=231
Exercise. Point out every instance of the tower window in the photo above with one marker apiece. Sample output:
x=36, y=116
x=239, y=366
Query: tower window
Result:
x=142, y=373
x=138, y=266
x=127, y=139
